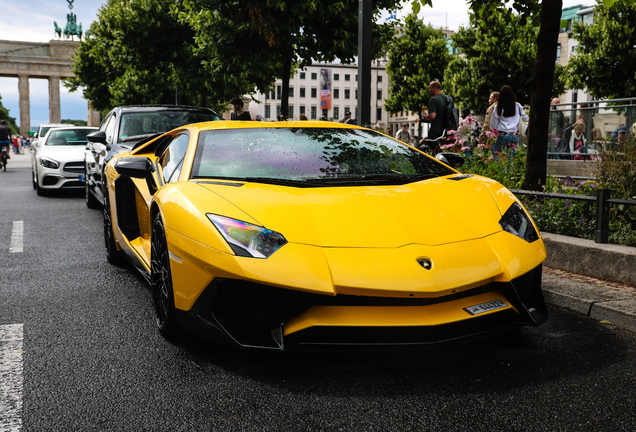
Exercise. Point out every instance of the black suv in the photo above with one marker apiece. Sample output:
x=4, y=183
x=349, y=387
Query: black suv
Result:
x=125, y=126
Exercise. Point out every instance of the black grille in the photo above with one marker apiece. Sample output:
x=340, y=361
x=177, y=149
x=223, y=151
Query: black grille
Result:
x=74, y=167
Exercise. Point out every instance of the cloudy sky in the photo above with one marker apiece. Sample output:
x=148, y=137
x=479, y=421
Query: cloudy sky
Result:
x=32, y=20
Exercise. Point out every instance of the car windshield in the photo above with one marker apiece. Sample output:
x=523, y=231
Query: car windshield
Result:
x=59, y=137
x=317, y=156
x=134, y=126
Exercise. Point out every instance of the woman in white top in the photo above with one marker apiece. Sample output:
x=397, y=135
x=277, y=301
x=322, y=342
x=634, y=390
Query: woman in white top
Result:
x=505, y=119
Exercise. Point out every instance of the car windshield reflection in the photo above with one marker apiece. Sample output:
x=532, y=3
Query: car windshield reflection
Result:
x=68, y=137
x=306, y=155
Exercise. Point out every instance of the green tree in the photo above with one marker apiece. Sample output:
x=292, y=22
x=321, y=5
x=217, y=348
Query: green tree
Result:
x=416, y=58
x=4, y=115
x=605, y=61
x=502, y=53
x=74, y=122
x=276, y=37
x=545, y=14
x=139, y=52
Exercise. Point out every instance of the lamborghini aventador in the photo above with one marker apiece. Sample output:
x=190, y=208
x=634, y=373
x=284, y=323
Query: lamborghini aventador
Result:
x=291, y=234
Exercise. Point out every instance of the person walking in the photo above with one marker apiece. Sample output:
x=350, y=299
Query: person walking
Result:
x=505, y=118
x=435, y=114
x=492, y=102
x=239, y=113
x=403, y=134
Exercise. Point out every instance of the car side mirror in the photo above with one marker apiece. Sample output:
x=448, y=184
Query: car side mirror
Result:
x=137, y=167
x=453, y=160
x=97, y=137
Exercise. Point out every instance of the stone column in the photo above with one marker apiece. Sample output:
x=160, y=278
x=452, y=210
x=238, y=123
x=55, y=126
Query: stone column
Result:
x=94, y=117
x=55, y=114
x=25, y=105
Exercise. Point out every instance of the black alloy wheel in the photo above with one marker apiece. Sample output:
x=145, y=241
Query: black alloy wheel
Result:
x=161, y=281
x=91, y=201
x=112, y=254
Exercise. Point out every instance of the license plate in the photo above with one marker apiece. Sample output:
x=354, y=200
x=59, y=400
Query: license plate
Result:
x=485, y=307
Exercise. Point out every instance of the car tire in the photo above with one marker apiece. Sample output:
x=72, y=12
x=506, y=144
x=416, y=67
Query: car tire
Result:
x=38, y=189
x=161, y=281
x=91, y=201
x=112, y=254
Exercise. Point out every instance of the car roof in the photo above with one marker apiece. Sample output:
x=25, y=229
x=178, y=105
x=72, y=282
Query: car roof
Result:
x=145, y=108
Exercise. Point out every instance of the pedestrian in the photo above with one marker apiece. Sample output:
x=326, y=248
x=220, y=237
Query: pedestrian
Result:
x=258, y=117
x=239, y=113
x=435, y=114
x=5, y=137
x=347, y=118
x=469, y=128
x=492, y=102
x=403, y=134
x=557, y=126
x=303, y=117
x=505, y=118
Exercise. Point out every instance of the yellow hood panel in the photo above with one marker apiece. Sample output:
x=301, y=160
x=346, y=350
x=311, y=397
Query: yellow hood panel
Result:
x=431, y=212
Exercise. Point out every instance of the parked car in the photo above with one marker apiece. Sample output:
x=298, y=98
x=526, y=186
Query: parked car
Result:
x=290, y=234
x=125, y=126
x=43, y=129
x=57, y=161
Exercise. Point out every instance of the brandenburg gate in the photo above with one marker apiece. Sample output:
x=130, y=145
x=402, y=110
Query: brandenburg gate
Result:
x=51, y=61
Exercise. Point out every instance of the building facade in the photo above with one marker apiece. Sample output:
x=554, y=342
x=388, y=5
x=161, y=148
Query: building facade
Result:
x=307, y=94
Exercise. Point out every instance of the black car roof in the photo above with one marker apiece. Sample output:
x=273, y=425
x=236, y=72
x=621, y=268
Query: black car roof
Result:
x=142, y=108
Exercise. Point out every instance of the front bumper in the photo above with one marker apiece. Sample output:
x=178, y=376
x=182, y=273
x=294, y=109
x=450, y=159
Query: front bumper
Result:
x=255, y=315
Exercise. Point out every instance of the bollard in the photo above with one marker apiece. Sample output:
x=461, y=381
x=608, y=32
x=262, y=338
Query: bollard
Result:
x=602, y=215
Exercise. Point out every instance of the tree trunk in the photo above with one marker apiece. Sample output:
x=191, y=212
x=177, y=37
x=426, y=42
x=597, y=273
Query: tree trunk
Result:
x=541, y=93
x=284, y=97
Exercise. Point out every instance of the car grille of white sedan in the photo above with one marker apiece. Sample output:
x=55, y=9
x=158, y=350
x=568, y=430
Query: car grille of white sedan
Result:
x=74, y=167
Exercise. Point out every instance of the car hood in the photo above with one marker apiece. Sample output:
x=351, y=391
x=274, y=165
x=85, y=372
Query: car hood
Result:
x=63, y=153
x=431, y=212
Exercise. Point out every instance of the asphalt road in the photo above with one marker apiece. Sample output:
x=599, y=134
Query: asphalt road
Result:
x=91, y=359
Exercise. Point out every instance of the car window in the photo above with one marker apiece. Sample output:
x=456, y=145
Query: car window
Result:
x=68, y=137
x=301, y=154
x=172, y=158
x=109, y=129
x=135, y=125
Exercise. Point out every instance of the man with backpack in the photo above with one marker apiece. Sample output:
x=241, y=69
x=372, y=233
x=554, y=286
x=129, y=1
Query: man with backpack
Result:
x=442, y=115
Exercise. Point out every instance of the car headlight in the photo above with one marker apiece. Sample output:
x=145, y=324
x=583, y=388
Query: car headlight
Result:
x=247, y=239
x=49, y=163
x=517, y=222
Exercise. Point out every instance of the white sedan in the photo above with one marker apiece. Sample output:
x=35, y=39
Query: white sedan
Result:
x=57, y=160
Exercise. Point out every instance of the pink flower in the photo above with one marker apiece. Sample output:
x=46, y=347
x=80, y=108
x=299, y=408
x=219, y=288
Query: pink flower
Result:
x=460, y=141
x=452, y=132
x=466, y=148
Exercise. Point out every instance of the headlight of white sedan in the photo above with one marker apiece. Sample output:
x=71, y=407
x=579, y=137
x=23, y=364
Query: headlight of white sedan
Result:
x=247, y=239
x=49, y=163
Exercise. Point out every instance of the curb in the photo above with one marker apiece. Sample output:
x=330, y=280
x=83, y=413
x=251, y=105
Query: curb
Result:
x=603, y=261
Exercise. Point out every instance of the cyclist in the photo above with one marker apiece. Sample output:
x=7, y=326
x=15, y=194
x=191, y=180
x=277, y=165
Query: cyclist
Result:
x=5, y=139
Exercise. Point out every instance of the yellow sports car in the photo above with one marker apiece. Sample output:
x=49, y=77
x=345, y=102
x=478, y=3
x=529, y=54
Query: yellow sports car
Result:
x=287, y=234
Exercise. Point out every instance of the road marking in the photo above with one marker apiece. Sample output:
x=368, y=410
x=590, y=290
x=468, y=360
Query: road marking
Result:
x=11, y=377
x=17, y=234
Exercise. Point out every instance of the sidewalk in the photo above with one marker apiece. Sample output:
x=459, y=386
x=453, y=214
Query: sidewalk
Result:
x=597, y=280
